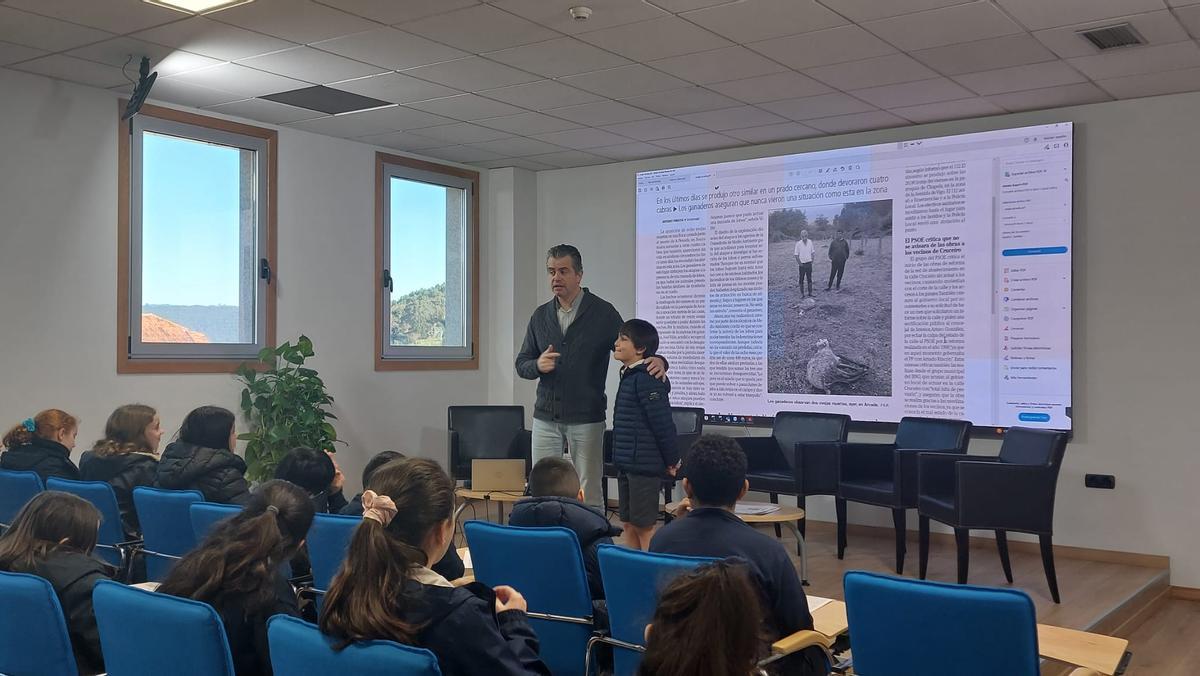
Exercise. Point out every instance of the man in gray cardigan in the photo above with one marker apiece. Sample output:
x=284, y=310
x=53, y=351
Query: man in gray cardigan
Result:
x=568, y=348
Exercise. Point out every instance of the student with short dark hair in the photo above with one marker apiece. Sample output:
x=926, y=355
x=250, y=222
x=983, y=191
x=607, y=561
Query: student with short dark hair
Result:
x=714, y=613
x=42, y=444
x=715, y=479
x=202, y=458
x=126, y=458
x=239, y=570
x=558, y=501
x=316, y=472
x=644, y=437
x=385, y=589
x=53, y=537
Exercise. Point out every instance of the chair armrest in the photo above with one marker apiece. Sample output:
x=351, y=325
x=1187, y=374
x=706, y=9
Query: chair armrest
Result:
x=1006, y=496
x=763, y=455
x=801, y=640
x=935, y=471
x=130, y=544
x=865, y=461
x=904, y=466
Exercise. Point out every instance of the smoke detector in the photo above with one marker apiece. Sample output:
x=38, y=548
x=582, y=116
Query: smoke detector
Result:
x=580, y=13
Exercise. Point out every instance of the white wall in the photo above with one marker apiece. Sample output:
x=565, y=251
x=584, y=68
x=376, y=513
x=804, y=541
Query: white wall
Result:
x=1136, y=312
x=58, y=187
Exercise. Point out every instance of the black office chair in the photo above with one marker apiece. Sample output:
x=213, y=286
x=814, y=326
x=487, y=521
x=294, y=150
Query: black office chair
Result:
x=487, y=432
x=1012, y=491
x=799, y=458
x=886, y=474
x=689, y=425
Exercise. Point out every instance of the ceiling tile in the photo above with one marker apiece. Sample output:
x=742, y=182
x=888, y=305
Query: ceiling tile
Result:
x=948, y=110
x=311, y=65
x=12, y=53
x=821, y=48
x=771, y=88
x=32, y=30
x=1189, y=17
x=991, y=54
x=541, y=95
x=390, y=48
x=945, y=26
x=1020, y=78
x=518, y=147
x=462, y=132
x=181, y=93
x=518, y=162
x=403, y=140
x=528, y=124
x=866, y=10
x=698, y=142
x=656, y=39
x=369, y=122
x=625, y=81
x=845, y=124
x=301, y=21
x=558, y=57
x=114, y=16
x=912, y=93
x=1139, y=60
x=678, y=6
x=466, y=107
x=679, y=101
x=395, y=88
x=1157, y=28
x=718, y=65
x=555, y=13
x=1051, y=97
x=654, y=128
x=763, y=19
x=1180, y=3
x=209, y=38
x=393, y=12
x=165, y=61
x=631, y=151
x=478, y=29
x=772, y=133
x=732, y=118
x=74, y=70
x=582, y=139
x=569, y=158
x=1153, y=84
x=240, y=79
x=1038, y=14
x=600, y=113
x=471, y=74
x=812, y=107
x=876, y=72
x=464, y=154
x=266, y=111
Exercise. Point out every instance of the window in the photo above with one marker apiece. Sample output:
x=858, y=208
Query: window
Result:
x=427, y=261
x=197, y=213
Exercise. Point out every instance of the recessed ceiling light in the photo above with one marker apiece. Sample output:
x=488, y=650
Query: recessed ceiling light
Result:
x=198, y=6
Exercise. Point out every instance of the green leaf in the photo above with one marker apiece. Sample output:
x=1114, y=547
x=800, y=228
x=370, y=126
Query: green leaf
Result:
x=266, y=355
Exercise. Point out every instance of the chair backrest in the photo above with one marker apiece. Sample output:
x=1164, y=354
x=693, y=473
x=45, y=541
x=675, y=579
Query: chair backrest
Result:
x=905, y=626
x=793, y=427
x=33, y=632
x=298, y=647
x=484, y=432
x=143, y=632
x=933, y=433
x=205, y=515
x=16, y=488
x=100, y=494
x=1027, y=446
x=689, y=425
x=166, y=522
x=546, y=566
x=632, y=582
x=328, y=539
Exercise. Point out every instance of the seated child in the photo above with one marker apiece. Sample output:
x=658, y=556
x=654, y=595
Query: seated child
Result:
x=42, y=444
x=202, y=458
x=316, y=472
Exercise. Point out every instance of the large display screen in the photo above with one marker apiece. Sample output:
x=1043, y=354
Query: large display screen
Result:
x=929, y=277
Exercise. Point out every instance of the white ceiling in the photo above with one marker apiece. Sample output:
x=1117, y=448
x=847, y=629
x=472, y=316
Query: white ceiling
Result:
x=519, y=83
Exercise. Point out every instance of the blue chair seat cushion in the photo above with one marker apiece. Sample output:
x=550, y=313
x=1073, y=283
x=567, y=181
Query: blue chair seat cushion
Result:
x=870, y=491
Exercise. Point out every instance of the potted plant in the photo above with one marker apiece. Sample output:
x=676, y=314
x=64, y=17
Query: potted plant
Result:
x=286, y=406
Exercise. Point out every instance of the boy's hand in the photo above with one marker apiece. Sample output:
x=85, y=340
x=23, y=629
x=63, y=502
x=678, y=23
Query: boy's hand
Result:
x=339, y=479
x=548, y=360
x=656, y=367
x=508, y=598
x=682, y=508
x=673, y=470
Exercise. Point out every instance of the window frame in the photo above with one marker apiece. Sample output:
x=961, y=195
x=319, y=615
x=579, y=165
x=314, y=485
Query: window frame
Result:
x=419, y=358
x=208, y=359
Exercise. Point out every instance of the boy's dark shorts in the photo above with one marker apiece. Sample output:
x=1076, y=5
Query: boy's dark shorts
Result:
x=638, y=498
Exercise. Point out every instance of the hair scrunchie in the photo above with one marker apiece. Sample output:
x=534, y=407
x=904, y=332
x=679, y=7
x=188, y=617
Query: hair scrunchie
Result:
x=29, y=424
x=378, y=507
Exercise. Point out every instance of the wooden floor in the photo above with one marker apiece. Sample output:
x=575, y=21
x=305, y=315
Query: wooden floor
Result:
x=1168, y=642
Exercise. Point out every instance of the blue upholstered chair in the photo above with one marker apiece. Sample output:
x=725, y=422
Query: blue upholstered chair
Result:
x=33, y=632
x=111, y=544
x=299, y=649
x=166, y=522
x=144, y=632
x=205, y=515
x=16, y=488
x=546, y=566
x=328, y=539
